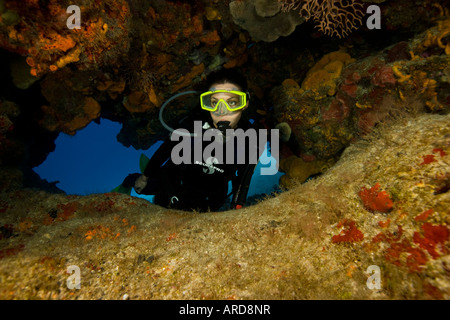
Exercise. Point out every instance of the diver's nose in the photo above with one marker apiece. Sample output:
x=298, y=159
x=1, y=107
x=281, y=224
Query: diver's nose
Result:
x=221, y=108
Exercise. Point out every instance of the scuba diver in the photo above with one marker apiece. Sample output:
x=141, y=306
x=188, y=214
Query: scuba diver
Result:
x=202, y=184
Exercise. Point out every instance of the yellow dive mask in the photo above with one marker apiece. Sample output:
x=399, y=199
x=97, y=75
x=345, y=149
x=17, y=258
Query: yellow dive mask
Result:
x=223, y=101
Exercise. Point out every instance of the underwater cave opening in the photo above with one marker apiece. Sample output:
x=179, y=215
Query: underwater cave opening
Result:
x=93, y=161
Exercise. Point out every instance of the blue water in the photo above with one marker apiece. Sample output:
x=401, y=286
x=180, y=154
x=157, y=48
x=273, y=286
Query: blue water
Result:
x=93, y=161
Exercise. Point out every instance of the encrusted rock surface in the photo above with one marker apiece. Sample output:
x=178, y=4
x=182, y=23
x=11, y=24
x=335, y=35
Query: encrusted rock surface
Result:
x=315, y=241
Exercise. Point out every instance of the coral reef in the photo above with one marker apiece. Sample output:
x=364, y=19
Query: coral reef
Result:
x=364, y=124
x=332, y=17
x=42, y=34
x=11, y=149
x=70, y=108
x=315, y=241
x=322, y=77
x=315, y=120
x=341, y=98
x=20, y=73
x=264, y=20
x=139, y=53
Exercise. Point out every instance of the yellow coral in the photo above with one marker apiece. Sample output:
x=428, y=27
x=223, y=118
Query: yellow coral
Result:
x=212, y=14
x=322, y=77
x=434, y=37
x=399, y=74
x=329, y=134
x=419, y=82
x=413, y=56
x=330, y=57
x=363, y=106
x=434, y=104
x=426, y=87
x=442, y=12
x=73, y=56
x=297, y=169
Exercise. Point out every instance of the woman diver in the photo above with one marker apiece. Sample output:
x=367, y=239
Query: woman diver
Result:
x=203, y=185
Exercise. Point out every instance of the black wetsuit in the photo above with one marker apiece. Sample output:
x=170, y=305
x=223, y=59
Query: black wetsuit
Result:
x=200, y=185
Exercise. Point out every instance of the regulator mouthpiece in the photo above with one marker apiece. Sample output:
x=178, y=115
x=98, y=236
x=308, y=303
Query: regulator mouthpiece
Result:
x=223, y=126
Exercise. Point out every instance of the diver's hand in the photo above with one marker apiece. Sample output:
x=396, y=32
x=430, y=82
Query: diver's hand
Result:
x=140, y=183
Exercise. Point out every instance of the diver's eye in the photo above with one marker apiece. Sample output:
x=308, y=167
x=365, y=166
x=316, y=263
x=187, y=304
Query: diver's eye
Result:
x=213, y=102
x=232, y=103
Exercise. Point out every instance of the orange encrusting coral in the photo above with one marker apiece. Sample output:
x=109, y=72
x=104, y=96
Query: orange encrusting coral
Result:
x=415, y=257
x=64, y=212
x=42, y=34
x=349, y=234
x=404, y=251
x=427, y=159
x=211, y=38
x=423, y=216
x=171, y=237
x=433, y=235
x=68, y=210
x=384, y=224
x=440, y=151
x=56, y=42
x=375, y=200
x=101, y=232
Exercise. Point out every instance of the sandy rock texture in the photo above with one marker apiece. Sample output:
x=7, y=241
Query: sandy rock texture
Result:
x=315, y=241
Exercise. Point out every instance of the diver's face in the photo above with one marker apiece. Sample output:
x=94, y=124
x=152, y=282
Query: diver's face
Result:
x=222, y=113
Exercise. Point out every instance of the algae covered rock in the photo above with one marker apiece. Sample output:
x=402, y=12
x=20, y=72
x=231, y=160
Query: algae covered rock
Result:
x=315, y=241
